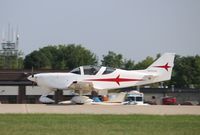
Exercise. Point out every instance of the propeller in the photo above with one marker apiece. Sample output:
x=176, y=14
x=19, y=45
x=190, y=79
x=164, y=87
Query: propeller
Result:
x=32, y=75
x=32, y=72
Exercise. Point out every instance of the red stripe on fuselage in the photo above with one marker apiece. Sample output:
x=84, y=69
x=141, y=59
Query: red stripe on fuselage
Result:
x=117, y=80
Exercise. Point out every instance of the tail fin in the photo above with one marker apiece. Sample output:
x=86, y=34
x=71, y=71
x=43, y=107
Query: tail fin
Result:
x=163, y=67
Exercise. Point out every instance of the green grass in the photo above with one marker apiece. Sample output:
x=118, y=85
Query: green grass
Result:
x=56, y=124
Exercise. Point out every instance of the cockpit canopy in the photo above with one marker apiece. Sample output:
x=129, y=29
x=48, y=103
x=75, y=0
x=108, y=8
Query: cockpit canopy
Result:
x=87, y=70
x=92, y=70
x=76, y=71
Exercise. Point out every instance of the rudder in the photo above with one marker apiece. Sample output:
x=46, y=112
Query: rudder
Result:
x=163, y=67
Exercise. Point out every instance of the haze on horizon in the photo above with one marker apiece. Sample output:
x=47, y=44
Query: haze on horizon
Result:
x=134, y=28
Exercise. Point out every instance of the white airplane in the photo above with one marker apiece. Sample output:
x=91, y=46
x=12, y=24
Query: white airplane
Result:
x=88, y=78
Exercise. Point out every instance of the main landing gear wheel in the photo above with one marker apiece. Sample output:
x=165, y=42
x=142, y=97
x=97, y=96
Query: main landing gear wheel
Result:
x=81, y=100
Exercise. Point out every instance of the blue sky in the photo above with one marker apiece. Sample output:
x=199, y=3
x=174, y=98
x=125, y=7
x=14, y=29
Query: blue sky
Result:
x=135, y=29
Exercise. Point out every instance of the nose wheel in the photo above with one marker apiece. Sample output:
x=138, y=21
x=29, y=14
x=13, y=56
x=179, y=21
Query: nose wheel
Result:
x=45, y=99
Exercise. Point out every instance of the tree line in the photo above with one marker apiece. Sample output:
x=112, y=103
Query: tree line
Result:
x=186, y=71
x=60, y=57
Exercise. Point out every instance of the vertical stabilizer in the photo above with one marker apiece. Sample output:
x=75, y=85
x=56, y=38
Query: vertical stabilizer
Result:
x=163, y=67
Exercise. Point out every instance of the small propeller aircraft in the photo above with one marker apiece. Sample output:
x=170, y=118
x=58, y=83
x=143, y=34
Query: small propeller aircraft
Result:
x=89, y=78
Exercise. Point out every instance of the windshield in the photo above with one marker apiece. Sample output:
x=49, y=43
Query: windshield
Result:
x=76, y=71
x=108, y=70
x=91, y=70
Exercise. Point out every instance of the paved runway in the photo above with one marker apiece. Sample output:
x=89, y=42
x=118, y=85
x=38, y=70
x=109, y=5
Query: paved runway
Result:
x=100, y=109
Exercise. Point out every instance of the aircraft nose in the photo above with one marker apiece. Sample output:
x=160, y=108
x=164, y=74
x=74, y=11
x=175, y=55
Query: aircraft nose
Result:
x=32, y=78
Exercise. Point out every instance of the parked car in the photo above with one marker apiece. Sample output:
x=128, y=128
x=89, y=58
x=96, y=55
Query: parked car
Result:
x=169, y=101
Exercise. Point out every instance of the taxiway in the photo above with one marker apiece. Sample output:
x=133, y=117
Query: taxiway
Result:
x=100, y=109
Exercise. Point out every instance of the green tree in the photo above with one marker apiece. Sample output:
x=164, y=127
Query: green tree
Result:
x=145, y=63
x=77, y=55
x=11, y=62
x=36, y=59
x=186, y=72
x=129, y=64
x=113, y=60
x=60, y=57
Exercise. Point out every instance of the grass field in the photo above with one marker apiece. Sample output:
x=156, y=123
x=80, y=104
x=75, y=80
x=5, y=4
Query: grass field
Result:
x=49, y=124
